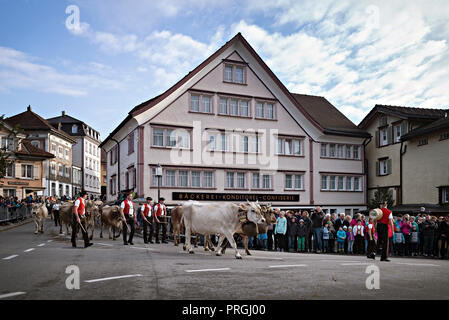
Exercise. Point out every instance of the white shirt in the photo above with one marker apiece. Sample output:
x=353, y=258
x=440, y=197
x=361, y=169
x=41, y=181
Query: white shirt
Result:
x=358, y=228
x=56, y=206
x=131, y=207
x=142, y=209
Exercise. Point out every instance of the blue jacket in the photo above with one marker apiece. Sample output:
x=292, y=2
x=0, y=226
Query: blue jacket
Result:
x=325, y=233
x=398, y=237
x=341, y=236
x=281, y=226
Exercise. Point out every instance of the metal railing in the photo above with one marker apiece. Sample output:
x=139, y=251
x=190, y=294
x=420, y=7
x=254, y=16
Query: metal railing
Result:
x=14, y=214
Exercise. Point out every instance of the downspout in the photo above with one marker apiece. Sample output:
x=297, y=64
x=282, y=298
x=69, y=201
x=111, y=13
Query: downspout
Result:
x=402, y=152
x=365, y=166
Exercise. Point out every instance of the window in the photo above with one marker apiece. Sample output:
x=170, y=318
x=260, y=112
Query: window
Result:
x=183, y=178
x=383, y=167
x=445, y=195
x=323, y=182
x=229, y=179
x=244, y=109
x=7, y=144
x=383, y=137
x=244, y=143
x=287, y=146
x=53, y=148
x=27, y=171
x=9, y=172
x=74, y=128
x=170, y=178
x=194, y=103
x=131, y=143
x=61, y=170
x=207, y=104
x=444, y=136
x=66, y=171
x=256, y=181
x=332, y=150
x=223, y=106
x=254, y=144
x=36, y=144
x=293, y=181
x=324, y=150
x=340, y=153
x=239, y=74
x=266, y=181
x=228, y=73
x=234, y=107
x=171, y=138
x=332, y=185
x=341, y=183
x=349, y=183
x=348, y=152
x=212, y=144
x=397, y=133
x=265, y=110
x=270, y=111
x=241, y=180
x=298, y=181
x=60, y=152
x=208, y=179
x=224, y=142
x=356, y=152
x=158, y=137
x=196, y=179
x=383, y=120
x=53, y=168
x=259, y=110
x=66, y=154
x=297, y=150
x=423, y=141
x=357, y=186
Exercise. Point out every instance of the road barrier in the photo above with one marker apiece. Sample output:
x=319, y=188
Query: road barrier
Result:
x=14, y=214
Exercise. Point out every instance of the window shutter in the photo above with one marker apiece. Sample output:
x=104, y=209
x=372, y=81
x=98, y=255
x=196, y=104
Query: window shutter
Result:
x=390, y=135
x=35, y=172
x=404, y=127
x=389, y=162
x=377, y=168
x=377, y=139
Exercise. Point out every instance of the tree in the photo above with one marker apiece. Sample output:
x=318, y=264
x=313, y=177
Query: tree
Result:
x=5, y=154
x=380, y=196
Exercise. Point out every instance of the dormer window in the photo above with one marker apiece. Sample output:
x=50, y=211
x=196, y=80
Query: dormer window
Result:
x=234, y=74
x=74, y=128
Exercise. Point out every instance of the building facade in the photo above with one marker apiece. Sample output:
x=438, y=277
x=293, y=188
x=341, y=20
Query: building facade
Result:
x=231, y=131
x=86, y=153
x=42, y=135
x=408, y=156
x=24, y=174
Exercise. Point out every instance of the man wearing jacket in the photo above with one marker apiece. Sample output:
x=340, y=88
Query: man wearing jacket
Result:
x=79, y=220
x=317, y=227
x=382, y=227
x=444, y=235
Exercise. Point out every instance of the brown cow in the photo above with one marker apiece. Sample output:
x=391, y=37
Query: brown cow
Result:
x=65, y=216
x=250, y=229
x=110, y=216
x=92, y=212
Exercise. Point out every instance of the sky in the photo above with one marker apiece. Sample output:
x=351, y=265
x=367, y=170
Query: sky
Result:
x=98, y=64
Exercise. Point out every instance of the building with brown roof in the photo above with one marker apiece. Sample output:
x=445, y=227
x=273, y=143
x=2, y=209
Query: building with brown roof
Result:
x=26, y=165
x=230, y=131
x=41, y=134
x=408, y=156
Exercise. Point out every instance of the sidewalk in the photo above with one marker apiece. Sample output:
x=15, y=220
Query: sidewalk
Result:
x=15, y=225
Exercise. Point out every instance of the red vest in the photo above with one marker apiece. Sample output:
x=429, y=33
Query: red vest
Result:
x=127, y=206
x=81, y=207
x=160, y=207
x=147, y=209
x=385, y=216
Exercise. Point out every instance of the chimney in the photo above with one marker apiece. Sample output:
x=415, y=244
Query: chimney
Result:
x=29, y=108
x=63, y=113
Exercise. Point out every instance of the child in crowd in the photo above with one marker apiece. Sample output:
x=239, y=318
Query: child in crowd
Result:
x=358, y=238
x=351, y=238
x=331, y=229
x=398, y=241
x=341, y=237
x=263, y=238
x=325, y=239
x=302, y=233
x=414, y=241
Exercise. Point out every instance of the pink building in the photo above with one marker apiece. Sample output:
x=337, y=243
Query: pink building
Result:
x=230, y=131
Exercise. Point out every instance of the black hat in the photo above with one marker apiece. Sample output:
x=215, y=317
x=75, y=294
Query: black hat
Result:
x=161, y=199
x=149, y=198
x=83, y=193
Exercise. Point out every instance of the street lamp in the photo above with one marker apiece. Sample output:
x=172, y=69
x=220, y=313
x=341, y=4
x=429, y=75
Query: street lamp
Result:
x=159, y=176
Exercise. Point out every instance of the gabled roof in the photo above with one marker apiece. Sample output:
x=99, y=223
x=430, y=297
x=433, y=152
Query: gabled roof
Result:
x=29, y=150
x=237, y=38
x=434, y=126
x=29, y=120
x=329, y=117
x=423, y=114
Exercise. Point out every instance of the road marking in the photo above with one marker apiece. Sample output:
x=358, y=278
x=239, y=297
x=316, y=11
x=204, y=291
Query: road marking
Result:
x=28, y=250
x=418, y=264
x=288, y=266
x=11, y=257
x=104, y=244
x=265, y=258
x=356, y=264
x=142, y=248
x=206, y=270
x=13, y=294
x=41, y=245
x=114, y=278
x=49, y=240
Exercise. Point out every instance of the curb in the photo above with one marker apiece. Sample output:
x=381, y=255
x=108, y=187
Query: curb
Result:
x=6, y=228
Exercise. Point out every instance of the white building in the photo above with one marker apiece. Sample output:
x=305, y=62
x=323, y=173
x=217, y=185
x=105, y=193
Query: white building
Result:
x=86, y=153
x=231, y=131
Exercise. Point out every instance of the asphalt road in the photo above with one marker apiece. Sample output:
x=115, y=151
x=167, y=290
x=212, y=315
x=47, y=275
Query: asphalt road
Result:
x=34, y=267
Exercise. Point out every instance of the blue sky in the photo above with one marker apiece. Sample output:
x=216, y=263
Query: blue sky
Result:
x=355, y=53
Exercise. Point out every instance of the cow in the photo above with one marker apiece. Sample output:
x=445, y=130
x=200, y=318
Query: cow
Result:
x=224, y=219
x=178, y=226
x=65, y=216
x=92, y=212
x=110, y=216
x=251, y=229
x=40, y=213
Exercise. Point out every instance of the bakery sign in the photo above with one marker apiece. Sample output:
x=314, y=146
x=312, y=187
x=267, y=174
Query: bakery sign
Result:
x=239, y=197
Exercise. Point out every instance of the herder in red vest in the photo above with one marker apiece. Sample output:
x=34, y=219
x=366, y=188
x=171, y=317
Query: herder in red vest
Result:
x=147, y=216
x=79, y=218
x=129, y=217
x=160, y=215
x=382, y=227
